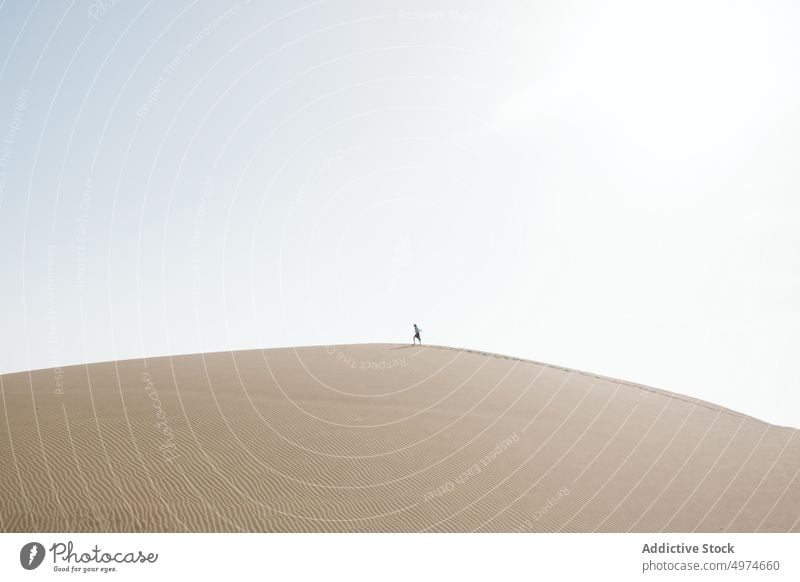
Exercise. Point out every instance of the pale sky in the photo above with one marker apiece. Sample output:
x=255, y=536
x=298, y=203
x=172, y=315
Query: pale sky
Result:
x=610, y=186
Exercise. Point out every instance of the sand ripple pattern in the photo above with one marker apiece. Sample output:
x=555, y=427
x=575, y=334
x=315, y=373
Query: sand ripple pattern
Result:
x=377, y=438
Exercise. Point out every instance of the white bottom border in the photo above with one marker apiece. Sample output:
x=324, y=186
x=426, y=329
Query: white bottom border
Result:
x=389, y=557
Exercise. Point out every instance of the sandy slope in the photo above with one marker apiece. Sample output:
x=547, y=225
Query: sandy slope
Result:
x=379, y=438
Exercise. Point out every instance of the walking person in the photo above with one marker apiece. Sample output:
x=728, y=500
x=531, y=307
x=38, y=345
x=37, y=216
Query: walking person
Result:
x=416, y=335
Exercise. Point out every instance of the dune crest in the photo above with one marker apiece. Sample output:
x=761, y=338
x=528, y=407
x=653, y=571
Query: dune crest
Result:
x=379, y=437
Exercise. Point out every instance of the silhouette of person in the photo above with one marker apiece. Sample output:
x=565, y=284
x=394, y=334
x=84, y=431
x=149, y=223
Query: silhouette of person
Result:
x=416, y=335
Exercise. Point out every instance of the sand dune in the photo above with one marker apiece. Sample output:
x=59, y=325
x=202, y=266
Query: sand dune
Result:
x=379, y=438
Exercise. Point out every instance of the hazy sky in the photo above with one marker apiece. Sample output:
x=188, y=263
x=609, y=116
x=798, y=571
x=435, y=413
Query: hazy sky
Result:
x=611, y=186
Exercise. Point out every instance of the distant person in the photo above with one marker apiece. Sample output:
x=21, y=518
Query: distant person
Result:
x=416, y=335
